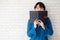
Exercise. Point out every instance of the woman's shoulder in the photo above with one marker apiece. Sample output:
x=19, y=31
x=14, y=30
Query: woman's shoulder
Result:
x=48, y=19
x=28, y=20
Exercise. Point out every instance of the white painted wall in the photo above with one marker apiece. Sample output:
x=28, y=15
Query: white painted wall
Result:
x=14, y=15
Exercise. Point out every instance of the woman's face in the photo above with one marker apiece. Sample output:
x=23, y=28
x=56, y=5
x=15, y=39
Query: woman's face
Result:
x=38, y=8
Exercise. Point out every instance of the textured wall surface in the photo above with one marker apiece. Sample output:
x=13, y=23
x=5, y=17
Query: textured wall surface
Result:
x=14, y=15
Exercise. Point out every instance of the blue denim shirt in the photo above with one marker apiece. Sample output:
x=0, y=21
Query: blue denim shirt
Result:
x=39, y=33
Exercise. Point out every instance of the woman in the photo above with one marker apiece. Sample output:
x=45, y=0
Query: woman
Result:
x=41, y=31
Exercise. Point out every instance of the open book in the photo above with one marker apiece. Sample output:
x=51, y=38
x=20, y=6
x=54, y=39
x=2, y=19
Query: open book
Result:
x=42, y=15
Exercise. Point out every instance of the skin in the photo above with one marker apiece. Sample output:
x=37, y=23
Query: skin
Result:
x=38, y=8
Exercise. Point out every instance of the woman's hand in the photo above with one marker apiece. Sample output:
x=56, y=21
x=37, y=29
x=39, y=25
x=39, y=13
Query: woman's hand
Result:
x=38, y=22
x=35, y=23
x=41, y=23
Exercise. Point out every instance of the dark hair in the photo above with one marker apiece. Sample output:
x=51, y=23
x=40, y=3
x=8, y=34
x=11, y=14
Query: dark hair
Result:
x=40, y=4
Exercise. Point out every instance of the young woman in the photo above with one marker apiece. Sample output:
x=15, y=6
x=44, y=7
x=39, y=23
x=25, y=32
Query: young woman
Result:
x=41, y=31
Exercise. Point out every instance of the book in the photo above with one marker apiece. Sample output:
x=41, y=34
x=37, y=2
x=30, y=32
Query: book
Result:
x=41, y=15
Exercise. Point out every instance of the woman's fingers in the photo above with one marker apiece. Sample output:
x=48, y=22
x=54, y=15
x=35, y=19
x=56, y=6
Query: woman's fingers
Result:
x=39, y=21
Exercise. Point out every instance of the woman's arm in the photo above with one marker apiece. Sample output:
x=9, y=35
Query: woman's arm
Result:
x=30, y=29
x=48, y=28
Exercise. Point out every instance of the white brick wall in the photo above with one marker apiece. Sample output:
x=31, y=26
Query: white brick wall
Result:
x=14, y=15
